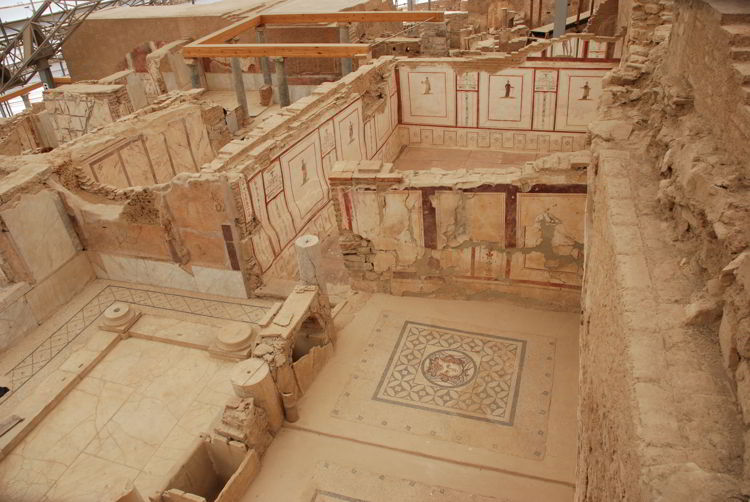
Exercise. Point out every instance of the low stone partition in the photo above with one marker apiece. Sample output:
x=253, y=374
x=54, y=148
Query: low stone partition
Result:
x=469, y=233
x=42, y=263
x=76, y=109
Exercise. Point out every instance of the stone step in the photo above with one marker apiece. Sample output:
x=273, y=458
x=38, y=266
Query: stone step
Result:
x=740, y=53
x=735, y=18
x=743, y=70
x=732, y=11
x=739, y=34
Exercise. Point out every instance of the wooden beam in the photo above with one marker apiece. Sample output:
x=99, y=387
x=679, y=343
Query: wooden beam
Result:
x=20, y=92
x=353, y=17
x=270, y=50
x=225, y=34
x=63, y=80
x=231, y=31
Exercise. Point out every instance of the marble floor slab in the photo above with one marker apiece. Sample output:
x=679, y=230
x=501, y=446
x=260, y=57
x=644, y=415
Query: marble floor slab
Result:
x=130, y=420
x=82, y=318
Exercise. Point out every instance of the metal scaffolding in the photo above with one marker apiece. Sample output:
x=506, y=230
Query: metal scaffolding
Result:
x=28, y=46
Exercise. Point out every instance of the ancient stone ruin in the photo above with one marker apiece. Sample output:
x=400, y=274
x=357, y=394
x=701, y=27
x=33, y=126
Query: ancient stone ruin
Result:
x=452, y=250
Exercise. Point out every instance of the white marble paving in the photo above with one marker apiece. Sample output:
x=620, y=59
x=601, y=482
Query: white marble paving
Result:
x=130, y=420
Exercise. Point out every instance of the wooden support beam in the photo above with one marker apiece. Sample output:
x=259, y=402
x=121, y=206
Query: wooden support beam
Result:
x=353, y=17
x=278, y=50
x=231, y=31
x=20, y=92
x=214, y=44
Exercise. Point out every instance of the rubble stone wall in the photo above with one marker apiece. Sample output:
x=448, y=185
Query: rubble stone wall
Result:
x=663, y=411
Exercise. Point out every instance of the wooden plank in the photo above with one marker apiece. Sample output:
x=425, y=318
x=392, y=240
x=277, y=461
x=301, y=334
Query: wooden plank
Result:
x=230, y=31
x=271, y=50
x=62, y=80
x=353, y=17
x=20, y=92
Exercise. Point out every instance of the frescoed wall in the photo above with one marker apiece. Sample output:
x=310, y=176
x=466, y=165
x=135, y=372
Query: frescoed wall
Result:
x=549, y=95
x=292, y=195
x=411, y=232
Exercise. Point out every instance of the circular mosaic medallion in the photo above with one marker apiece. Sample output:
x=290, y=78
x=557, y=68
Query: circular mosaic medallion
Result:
x=449, y=368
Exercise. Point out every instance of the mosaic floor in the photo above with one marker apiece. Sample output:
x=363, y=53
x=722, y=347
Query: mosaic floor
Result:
x=40, y=356
x=432, y=378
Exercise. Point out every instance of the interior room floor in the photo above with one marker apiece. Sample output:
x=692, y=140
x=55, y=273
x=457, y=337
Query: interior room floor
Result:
x=424, y=399
x=435, y=400
x=135, y=415
x=415, y=158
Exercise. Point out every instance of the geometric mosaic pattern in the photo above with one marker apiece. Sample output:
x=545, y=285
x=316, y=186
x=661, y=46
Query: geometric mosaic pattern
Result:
x=55, y=343
x=455, y=372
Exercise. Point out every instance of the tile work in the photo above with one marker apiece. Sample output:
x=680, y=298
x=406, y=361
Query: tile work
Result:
x=130, y=420
x=484, y=139
x=455, y=372
x=58, y=340
x=495, y=386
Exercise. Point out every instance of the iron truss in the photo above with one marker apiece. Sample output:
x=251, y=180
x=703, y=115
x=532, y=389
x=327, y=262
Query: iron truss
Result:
x=27, y=46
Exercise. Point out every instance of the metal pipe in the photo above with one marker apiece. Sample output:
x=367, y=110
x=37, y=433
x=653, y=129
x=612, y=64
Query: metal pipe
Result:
x=561, y=18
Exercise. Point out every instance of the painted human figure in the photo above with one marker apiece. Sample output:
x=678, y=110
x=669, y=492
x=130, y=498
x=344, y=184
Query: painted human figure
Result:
x=508, y=88
x=351, y=132
x=586, y=91
x=426, y=87
x=304, y=172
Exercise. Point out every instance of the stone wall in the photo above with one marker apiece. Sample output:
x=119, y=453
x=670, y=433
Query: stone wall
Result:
x=512, y=232
x=666, y=297
x=41, y=263
x=152, y=148
x=77, y=109
x=19, y=134
x=285, y=159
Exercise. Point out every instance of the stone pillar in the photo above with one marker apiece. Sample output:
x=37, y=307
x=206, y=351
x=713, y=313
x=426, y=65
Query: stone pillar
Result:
x=252, y=378
x=531, y=14
x=239, y=85
x=308, y=261
x=196, y=72
x=561, y=18
x=260, y=36
x=45, y=74
x=346, y=63
x=282, y=83
x=26, y=101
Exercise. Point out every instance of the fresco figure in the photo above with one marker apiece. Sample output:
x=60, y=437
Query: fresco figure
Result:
x=586, y=91
x=508, y=89
x=426, y=87
x=304, y=172
x=351, y=132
